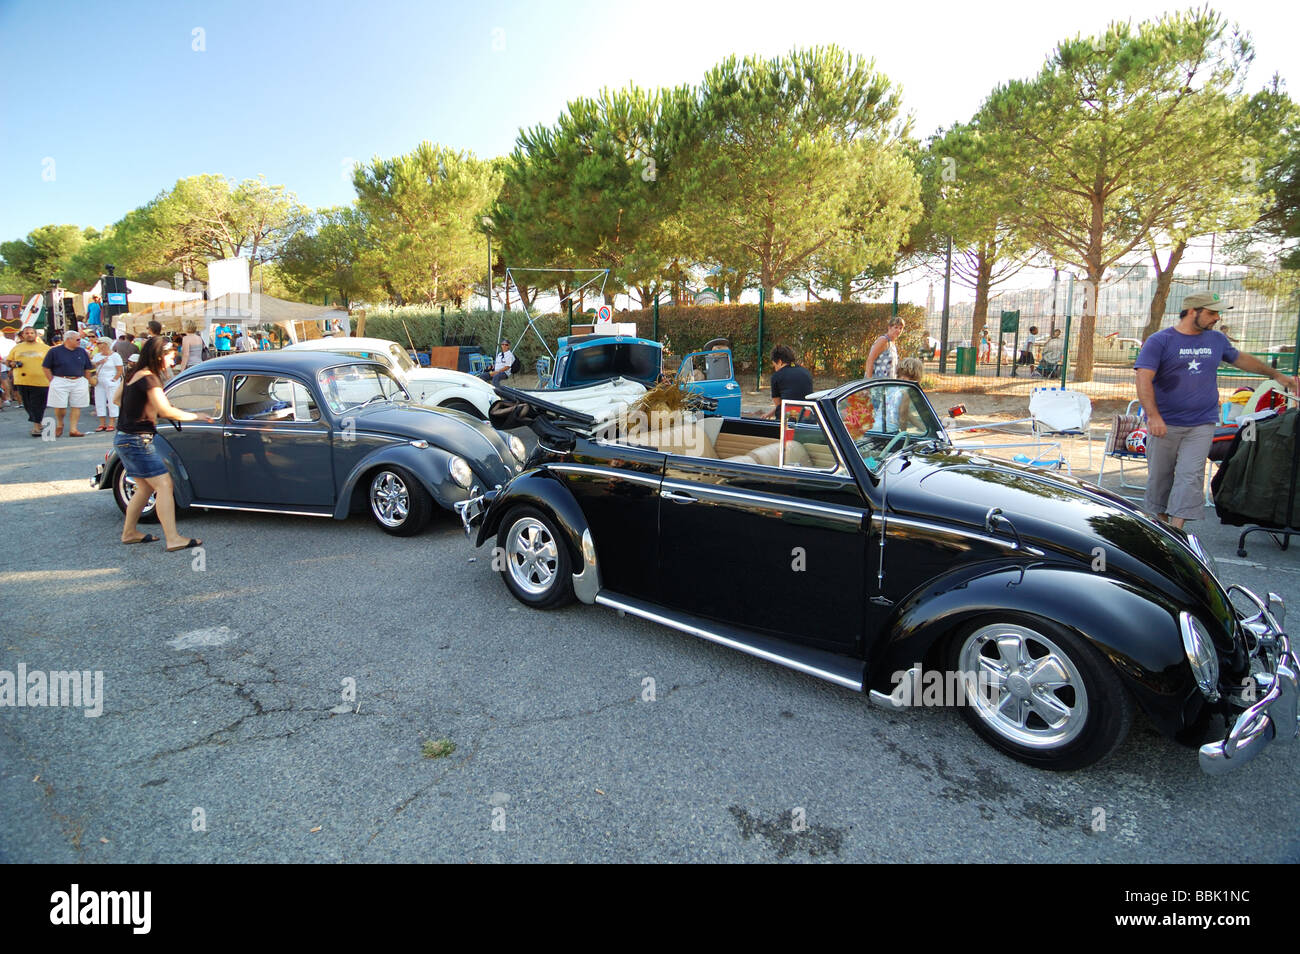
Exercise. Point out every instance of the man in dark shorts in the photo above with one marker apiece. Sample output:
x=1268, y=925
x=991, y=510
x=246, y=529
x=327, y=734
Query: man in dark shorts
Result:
x=790, y=381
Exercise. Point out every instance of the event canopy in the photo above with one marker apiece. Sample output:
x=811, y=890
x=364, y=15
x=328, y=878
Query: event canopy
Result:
x=298, y=320
x=141, y=297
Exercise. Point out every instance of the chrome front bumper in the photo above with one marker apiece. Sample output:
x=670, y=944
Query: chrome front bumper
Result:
x=1271, y=703
x=471, y=511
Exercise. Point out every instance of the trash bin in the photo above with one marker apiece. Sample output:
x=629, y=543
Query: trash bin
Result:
x=965, y=360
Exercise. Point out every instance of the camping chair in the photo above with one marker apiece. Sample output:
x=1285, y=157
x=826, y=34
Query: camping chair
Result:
x=1060, y=412
x=543, y=372
x=1117, y=449
x=478, y=363
x=1117, y=444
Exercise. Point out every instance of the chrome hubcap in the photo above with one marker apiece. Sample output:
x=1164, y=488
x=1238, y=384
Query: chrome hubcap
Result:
x=1026, y=688
x=128, y=492
x=531, y=555
x=390, y=500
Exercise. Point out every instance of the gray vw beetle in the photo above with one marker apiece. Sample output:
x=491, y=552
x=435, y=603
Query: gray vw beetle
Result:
x=322, y=435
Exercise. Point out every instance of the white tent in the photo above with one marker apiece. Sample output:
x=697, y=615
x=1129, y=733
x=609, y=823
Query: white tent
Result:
x=298, y=320
x=141, y=296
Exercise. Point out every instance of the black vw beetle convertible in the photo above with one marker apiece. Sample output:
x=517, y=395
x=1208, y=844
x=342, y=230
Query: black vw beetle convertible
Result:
x=318, y=434
x=849, y=540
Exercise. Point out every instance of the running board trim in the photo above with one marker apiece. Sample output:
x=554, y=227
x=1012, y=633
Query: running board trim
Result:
x=813, y=662
x=283, y=513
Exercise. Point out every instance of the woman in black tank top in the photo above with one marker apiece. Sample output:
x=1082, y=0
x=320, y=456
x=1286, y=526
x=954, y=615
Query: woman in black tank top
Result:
x=142, y=402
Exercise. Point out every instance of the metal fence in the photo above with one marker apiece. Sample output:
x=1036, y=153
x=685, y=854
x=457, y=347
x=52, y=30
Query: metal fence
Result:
x=1259, y=321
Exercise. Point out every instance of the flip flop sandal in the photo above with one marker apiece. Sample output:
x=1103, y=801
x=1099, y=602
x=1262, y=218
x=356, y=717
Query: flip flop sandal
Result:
x=76, y=434
x=189, y=546
x=147, y=538
x=101, y=428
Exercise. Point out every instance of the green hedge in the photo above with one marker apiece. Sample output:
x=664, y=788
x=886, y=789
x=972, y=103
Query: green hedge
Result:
x=829, y=338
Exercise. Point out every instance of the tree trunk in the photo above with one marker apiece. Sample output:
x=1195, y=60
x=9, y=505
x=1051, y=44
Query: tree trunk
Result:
x=1085, y=347
x=983, y=279
x=1164, y=279
x=735, y=288
x=1081, y=362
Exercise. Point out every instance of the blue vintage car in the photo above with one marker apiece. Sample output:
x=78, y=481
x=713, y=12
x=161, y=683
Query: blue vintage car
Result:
x=314, y=433
x=586, y=360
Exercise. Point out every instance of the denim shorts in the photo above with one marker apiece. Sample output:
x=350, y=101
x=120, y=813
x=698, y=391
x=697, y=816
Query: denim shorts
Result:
x=138, y=455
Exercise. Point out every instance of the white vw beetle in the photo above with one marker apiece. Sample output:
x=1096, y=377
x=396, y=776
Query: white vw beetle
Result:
x=434, y=387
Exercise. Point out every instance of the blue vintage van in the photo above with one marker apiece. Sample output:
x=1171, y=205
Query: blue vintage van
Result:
x=584, y=360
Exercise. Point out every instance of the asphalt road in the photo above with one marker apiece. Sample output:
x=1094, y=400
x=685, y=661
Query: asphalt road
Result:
x=225, y=734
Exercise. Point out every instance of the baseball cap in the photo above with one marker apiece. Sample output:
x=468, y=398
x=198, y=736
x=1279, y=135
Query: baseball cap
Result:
x=1208, y=300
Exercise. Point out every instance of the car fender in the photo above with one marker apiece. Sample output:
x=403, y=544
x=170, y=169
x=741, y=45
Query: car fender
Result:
x=182, y=491
x=1136, y=630
x=429, y=465
x=539, y=489
x=435, y=393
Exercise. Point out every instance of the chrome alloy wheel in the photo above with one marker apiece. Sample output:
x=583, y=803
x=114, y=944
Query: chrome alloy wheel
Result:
x=1027, y=688
x=128, y=491
x=531, y=555
x=390, y=499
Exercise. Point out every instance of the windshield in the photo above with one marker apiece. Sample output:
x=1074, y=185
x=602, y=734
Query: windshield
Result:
x=400, y=357
x=640, y=362
x=884, y=416
x=355, y=384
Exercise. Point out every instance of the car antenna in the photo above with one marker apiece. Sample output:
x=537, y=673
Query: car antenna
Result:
x=884, y=526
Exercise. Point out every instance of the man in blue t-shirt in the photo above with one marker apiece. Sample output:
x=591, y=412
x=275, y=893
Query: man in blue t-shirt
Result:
x=1179, y=392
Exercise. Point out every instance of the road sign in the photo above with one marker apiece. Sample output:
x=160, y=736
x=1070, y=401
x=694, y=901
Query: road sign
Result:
x=603, y=316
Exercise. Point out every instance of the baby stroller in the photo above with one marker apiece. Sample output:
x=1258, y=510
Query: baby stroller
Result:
x=1049, y=365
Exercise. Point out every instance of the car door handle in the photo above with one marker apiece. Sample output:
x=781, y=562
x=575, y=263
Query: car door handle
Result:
x=677, y=497
x=232, y=434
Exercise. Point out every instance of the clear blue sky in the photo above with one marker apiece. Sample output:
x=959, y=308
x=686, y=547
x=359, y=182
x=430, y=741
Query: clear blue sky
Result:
x=295, y=91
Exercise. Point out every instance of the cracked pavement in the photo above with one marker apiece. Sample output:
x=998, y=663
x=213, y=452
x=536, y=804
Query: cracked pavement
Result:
x=253, y=728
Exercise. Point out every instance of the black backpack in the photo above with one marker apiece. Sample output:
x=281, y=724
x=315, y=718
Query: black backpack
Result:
x=516, y=367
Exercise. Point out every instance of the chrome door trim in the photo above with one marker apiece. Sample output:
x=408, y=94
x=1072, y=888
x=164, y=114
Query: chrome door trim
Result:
x=590, y=470
x=958, y=532
x=772, y=501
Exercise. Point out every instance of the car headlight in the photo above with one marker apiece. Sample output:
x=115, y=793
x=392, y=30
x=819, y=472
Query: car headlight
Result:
x=461, y=472
x=1201, y=655
x=517, y=448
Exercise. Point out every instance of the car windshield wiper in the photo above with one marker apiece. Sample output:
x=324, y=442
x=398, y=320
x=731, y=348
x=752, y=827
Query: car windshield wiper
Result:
x=368, y=401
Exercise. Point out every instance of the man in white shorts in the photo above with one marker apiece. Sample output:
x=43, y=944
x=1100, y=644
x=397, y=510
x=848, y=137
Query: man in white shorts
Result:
x=66, y=368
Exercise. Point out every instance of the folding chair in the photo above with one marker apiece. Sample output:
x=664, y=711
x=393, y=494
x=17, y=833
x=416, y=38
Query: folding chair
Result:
x=1117, y=444
x=479, y=363
x=1060, y=412
x=1117, y=449
x=543, y=372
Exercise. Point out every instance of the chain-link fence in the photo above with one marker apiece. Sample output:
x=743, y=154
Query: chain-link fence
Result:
x=1259, y=320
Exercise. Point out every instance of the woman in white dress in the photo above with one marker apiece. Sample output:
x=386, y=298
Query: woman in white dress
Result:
x=109, y=365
